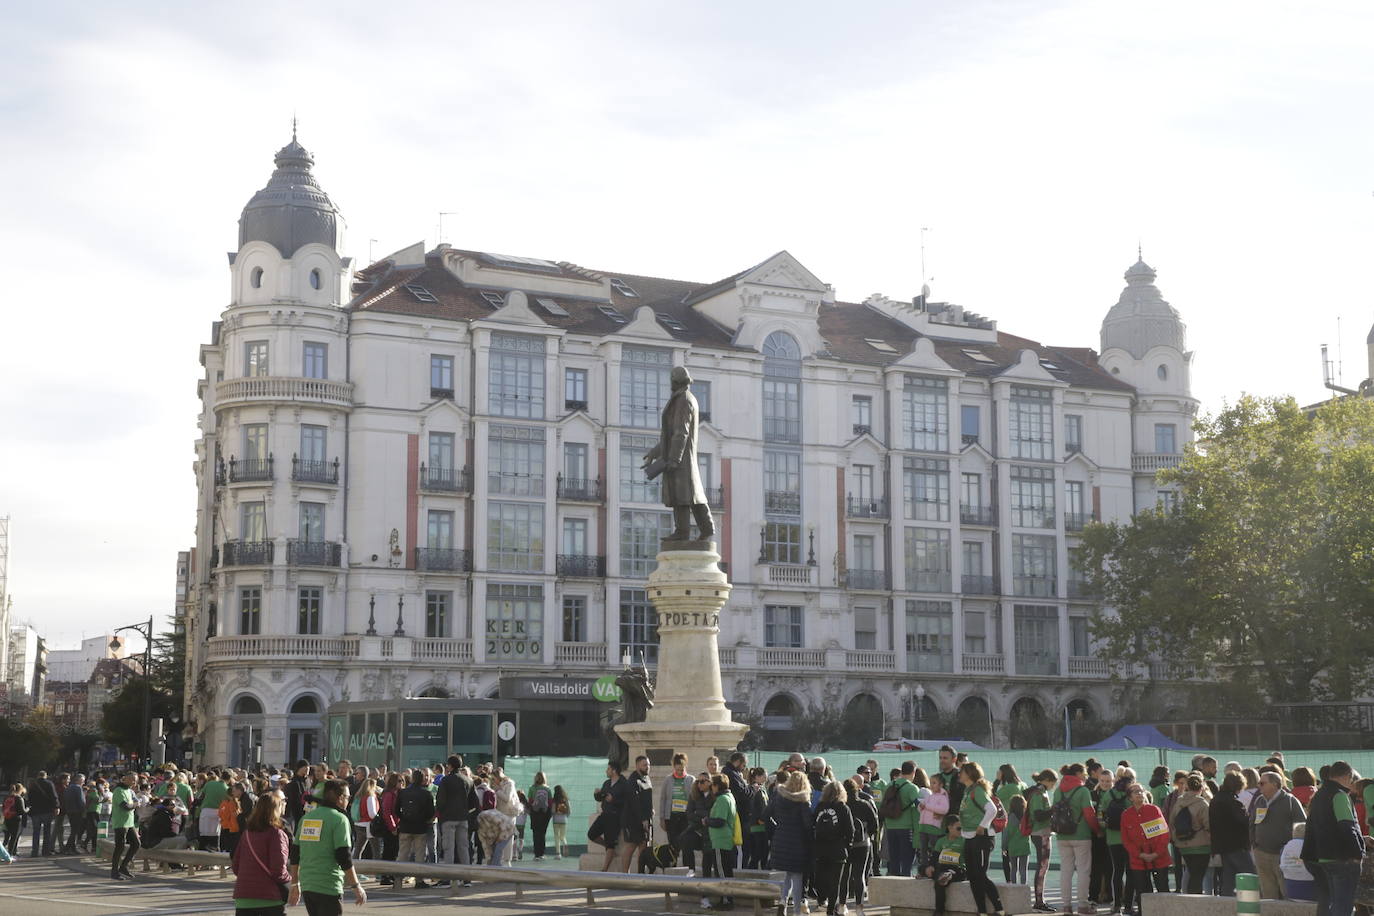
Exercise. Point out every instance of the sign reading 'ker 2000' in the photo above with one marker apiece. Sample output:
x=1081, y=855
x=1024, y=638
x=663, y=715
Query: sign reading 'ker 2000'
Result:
x=688, y=619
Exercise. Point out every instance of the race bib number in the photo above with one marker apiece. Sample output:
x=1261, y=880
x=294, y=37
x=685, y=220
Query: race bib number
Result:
x=679, y=805
x=949, y=857
x=311, y=830
x=1260, y=813
x=1154, y=828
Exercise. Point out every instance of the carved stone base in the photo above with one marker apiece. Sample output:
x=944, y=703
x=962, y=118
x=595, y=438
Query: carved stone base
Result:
x=698, y=740
x=704, y=544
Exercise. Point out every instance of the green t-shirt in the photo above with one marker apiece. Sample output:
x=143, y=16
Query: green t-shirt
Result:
x=184, y=793
x=971, y=808
x=1113, y=836
x=949, y=853
x=319, y=834
x=1006, y=791
x=878, y=787
x=215, y=790
x=723, y=808
x=248, y=903
x=1159, y=793
x=909, y=795
x=1340, y=803
x=1079, y=799
x=92, y=800
x=1038, y=801
x=119, y=816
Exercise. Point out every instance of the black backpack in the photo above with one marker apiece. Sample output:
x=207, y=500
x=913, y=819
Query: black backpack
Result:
x=1183, y=825
x=1063, y=818
x=410, y=806
x=1115, y=808
x=827, y=826
x=891, y=807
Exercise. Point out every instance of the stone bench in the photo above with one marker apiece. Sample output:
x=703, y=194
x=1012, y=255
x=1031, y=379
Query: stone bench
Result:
x=916, y=896
x=1205, y=905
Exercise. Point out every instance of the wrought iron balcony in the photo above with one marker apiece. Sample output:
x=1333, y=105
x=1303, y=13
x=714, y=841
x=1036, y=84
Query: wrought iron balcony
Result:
x=313, y=553
x=866, y=506
x=977, y=515
x=715, y=497
x=862, y=429
x=451, y=480
x=581, y=566
x=579, y=489
x=782, y=502
x=248, y=553
x=571, y=404
x=969, y=438
x=867, y=579
x=1077, y=521
x=1073, y=448
x=445, y=394
x=978, y=585
x=443, y=559
x=243, y=470
x=307, y=471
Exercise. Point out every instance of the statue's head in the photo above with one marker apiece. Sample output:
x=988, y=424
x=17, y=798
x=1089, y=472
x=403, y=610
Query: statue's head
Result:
x=680, y=377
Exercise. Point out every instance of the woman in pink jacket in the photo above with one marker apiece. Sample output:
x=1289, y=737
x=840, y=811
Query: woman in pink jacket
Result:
x=933, y=808
x=260, y=858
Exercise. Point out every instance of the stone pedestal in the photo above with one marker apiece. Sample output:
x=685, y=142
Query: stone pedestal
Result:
x=688, y=590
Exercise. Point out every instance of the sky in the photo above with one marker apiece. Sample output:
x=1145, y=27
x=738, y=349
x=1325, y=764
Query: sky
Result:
x=1036, y=144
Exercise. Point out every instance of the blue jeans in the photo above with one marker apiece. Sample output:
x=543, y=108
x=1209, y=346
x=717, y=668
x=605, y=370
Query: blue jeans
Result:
x=793, y=890
x=1232, y=864
x=1336, y=883
x=42, y=823
x=901, y=853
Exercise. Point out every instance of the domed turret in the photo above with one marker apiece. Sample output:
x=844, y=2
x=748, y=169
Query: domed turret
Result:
x=1141, y=319
x=292, y=210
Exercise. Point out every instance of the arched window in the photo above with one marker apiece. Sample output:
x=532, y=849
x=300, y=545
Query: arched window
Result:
x=255, y=278
x=315, y=278
x=779, y=722
x=863, y=721
x=305, y=706
x=245, y=731
x=305, y=728
x=973, y=722
x=1162, y=372
x=1029, y=726
x=781, y=345
x=247, y=706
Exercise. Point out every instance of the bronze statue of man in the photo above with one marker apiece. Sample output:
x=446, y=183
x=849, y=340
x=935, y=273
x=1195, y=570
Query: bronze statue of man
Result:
x=675, y=457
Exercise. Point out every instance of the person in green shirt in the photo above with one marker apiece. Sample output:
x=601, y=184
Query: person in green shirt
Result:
x=720, y=831
x=976, y=814
x=321, y=857
x=1007, y=787
x=123, y=826
x=947, y=864
x=901, y=830
x=207, y=813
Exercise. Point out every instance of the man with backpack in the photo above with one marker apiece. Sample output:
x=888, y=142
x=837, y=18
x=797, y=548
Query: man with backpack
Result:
x=1073, y=820
x=415, y=815
x=898, y=814
x=540, y=798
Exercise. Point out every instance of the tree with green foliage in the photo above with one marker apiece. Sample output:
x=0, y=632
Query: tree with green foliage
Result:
x=1263, y=573
x=122, y=717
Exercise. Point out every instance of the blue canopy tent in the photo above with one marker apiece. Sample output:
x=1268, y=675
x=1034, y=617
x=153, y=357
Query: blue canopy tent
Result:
x=1133, y=736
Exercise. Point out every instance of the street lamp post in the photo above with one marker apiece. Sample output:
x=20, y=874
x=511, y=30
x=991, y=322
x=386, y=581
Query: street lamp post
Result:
x=147, y=630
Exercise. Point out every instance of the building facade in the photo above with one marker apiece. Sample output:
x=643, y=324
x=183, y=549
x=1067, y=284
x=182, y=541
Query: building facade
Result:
x=419, y=477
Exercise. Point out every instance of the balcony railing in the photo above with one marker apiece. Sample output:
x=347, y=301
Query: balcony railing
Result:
x=777, y=429
x=782, y=502
x=791, y=658
x=866, y=506
x=969, y=438
x=715, y=497
x=1041, y=663
x=309, y=471
x=1035, y=586
x=929, y=662
x=788, y=574
x=729, y=656
x=983, y=664
x=870, y=660
x=1077, y=521
x=579, y=653
x=295, y=390
x=235, y=648
x=1148, y=464
x=581, y=566
x=579, y=489
x=571, y=404
x=867, y=579
x=922, y=580
x=862, y=429
x=248, y=553
x=1168, y=671
x=1088, y=667
x=443, y=559
x=313, y=553
x=977, y=515
x=978, y=585
x=438, y=649
x=242, y=470
x=1032, y=518
x=441, y=394
x=452, y=480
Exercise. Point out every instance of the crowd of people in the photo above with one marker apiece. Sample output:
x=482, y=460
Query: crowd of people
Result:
x=1119, y=834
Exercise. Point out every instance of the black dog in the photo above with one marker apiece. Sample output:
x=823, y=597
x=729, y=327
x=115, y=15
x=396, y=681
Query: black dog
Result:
x=657, y=857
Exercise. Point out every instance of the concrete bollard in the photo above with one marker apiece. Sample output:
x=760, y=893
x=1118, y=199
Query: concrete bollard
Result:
x=1247, y=894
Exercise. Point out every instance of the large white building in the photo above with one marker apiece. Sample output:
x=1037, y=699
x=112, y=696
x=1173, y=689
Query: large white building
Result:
x=424, y=476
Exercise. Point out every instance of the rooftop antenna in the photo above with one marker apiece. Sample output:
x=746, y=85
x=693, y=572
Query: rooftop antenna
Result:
x=1340, y=360
x=1326, y=375
x=293, y=126
x=925, y=278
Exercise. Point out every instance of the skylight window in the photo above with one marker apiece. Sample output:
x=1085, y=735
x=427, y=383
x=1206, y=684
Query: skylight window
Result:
x=623, y=288
x=1049, y=365
x=494, y=299
x=419, y=292
x=669, y=322
x=612, y=314
x=978, y=356
x=518, y=263
x=553, y=308
x=881, y=346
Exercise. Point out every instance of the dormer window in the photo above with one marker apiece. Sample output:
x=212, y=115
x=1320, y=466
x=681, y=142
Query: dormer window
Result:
x=623, y=288
x=255, y=278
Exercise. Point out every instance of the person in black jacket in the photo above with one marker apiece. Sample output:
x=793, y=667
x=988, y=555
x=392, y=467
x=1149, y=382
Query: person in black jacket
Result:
x=455, y=804
x=789, y=810
x=832, y=835
x=297, y=791
x=865, y=815
x=1333, y=847
x=415, y=815
x=43, y=807
x=1230, y=833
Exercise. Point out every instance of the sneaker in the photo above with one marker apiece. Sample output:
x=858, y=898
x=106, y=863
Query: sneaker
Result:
x=467, y=884
x=705, y=903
